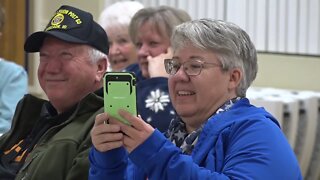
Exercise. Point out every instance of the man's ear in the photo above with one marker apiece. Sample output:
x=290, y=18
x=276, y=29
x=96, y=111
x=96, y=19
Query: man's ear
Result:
x=235, y=78
x=102, y=65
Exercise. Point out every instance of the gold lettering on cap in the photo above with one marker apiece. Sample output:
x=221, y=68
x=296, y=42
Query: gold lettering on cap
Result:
x=58, y=18
x=78, y=21
x=75, y=17
x=52, y=27
x=63, y=11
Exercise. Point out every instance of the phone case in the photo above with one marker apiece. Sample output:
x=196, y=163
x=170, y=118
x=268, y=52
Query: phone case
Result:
x=120, y=93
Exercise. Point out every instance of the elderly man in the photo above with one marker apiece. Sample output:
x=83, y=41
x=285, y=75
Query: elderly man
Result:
x=50, y=139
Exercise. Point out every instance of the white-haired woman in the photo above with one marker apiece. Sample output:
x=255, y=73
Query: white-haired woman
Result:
x=115, y=20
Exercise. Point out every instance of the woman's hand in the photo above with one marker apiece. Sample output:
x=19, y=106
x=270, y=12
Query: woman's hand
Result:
x=156, y=64
x=137, y=133
x=106, y=136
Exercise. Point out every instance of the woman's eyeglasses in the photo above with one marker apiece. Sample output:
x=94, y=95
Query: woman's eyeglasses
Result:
x=192, y=67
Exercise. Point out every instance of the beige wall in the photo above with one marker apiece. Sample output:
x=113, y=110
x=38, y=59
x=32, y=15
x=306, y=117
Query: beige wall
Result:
x=289, y=72
x=48, y=7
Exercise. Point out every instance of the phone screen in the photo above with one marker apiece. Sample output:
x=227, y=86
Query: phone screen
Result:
x=120, y=93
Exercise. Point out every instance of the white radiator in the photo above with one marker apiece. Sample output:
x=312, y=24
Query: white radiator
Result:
x=298, y=113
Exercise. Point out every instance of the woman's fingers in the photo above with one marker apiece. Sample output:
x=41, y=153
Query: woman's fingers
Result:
x=106, y=136
x=135, y=134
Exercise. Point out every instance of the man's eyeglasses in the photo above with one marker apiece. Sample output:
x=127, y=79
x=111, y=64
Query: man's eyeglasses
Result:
x=192, y=67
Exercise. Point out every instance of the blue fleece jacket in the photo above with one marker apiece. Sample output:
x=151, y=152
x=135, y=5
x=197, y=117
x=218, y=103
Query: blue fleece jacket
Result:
x=244, y=142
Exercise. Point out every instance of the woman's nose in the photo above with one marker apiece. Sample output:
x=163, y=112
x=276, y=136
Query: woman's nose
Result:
x=143, y=51
x=114, y=50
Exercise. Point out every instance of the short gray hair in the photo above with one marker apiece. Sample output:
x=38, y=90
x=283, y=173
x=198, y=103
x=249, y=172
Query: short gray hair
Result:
x=162, y=18
x=232, y=45
x=96, y=55
x=119, y=14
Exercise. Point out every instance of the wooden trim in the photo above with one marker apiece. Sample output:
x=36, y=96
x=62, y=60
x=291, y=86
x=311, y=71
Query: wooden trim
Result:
x=14, y=31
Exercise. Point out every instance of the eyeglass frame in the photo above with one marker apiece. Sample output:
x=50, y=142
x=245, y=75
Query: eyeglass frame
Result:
x=201, y=62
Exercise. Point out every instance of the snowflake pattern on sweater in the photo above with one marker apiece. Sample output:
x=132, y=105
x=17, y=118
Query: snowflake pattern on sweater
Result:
x=153, y=101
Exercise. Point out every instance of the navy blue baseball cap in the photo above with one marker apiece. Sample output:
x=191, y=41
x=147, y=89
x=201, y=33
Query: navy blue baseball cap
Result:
x=71, y=25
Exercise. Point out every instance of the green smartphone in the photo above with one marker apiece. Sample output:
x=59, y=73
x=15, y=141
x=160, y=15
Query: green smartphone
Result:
x=120, y=93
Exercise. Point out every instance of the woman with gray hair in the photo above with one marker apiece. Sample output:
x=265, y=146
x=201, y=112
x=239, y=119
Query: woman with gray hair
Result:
x=218, y=134
x=115, y=20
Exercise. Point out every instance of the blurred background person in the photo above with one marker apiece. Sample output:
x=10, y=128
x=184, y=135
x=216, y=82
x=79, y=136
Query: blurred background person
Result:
x=115, y=20
x=150, y=30
x=13, y=85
